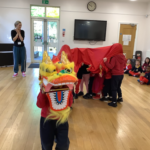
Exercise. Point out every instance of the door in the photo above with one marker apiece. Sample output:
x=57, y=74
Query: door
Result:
x=127, y=39
x=52, y=37
x=44, y=38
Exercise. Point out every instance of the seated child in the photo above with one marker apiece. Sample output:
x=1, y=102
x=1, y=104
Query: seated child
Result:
x=128, y=67
x=147, y=62
x=145, y=79
x=136, y=70
x=49, y=129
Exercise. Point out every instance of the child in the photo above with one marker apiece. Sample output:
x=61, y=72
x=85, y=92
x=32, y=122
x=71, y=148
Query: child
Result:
x=116, y=65
x=85, y=79
x=128, y=67
x=79, y=76
x=145, y=79
x=147, y=62
x=49, y=129
x=107, y=87
x=90, y=93
x=136, y=70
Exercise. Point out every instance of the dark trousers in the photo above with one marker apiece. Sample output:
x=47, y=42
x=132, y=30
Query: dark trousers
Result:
x=126, y=72
x=116, y=82
x=19, y=54
x=49, y=130
x=107, y=87
x=90, y=85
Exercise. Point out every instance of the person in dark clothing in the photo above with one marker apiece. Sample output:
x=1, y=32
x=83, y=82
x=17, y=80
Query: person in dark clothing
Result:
x=136, y=70
x=145, y=79
x=19, y=52
x=85, y=79
x=107, y=87
x=116, y=65
x=90, y=94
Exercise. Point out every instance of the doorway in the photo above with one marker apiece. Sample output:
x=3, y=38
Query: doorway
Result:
x=45, y=32
x=44, y=38
x=127, y=36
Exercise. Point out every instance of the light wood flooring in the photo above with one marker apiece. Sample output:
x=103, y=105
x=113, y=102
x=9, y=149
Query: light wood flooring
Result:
x=93, y=124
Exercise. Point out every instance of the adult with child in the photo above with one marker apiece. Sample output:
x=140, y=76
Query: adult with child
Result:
x=136, y=70
x=145, y=79
x=19, y=52
x=116, y=65
x=146, y=63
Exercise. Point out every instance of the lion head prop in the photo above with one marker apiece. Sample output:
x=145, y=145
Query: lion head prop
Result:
x=58, y=80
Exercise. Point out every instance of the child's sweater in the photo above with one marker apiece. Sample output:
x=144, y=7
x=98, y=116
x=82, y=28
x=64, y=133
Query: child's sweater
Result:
x=43, y=103
x=144, y=66
x=128, y=67
x=137, y=69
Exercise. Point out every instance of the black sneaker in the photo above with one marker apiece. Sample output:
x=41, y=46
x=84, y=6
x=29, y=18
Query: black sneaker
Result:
x=88, y=96
x=80, y=93
x=113, y=104
x=104, y=99
x=110, y=98
x=136, y=76
x=76, y=96
x=120, y=100
x=130, y=75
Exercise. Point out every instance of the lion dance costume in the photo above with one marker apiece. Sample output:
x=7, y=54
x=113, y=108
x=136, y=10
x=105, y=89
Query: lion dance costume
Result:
x=57, y=77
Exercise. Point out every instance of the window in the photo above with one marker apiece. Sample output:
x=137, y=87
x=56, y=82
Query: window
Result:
x=37, y=11
x=52, y=12
x=48, y=12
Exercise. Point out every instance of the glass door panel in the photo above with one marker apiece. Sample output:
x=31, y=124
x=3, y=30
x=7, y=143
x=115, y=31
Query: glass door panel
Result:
x=52, y=37
x=38, y=29
x=44, y=37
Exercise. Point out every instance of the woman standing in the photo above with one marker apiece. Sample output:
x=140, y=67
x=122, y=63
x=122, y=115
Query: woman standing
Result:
x=19, y=51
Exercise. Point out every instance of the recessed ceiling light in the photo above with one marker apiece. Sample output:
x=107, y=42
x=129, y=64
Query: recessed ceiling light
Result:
x=133, y=0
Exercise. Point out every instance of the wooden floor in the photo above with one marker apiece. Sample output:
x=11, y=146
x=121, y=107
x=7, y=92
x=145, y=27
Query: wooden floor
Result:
x=93, y=124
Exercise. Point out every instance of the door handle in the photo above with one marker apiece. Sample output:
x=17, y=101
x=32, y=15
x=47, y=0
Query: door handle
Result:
x=45, y=43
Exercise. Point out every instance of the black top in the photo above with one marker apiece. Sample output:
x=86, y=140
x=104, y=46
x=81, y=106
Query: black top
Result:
x=18, y=42
x=82, y=70
x=136, y=70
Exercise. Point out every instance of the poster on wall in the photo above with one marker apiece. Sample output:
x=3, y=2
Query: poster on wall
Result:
x=126, y=39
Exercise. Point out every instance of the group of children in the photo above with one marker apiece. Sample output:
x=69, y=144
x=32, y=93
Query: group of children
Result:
x=137, y=70
x=103, y=86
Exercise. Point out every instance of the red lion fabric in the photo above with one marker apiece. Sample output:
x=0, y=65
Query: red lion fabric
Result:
x=93, y=57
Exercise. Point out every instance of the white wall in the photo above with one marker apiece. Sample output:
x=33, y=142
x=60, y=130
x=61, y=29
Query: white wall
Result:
x=147, y=41
x=113, y=12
